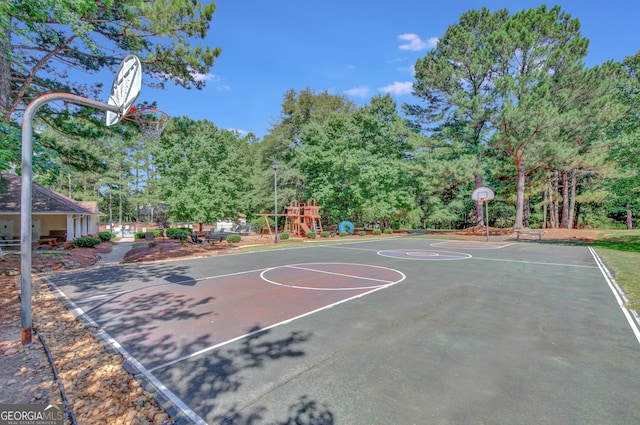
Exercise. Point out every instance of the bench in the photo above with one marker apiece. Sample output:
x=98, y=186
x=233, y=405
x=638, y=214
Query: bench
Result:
x=213, y=237
x=528, y=233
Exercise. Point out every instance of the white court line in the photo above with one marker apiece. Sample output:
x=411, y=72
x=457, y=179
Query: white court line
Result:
x=311, y=288
x=618, y=294
x=349, y=247
x=471, y=244
x=284, y=322
x=106, y=294
x=405, y=254
x=80, y=315
x=536, y=262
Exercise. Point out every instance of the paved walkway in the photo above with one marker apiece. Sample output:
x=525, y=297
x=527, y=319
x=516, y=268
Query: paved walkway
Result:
x=120, y=248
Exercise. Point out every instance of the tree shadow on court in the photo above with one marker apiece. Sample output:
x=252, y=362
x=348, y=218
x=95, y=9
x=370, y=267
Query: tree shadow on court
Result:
x=110, y=279
x=149, y=325
x=304, y=412
x=206, y=383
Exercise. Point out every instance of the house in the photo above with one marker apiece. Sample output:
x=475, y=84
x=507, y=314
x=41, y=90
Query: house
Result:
x=53, y=215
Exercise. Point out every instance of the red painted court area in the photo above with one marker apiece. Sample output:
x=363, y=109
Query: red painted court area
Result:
x=163, y=324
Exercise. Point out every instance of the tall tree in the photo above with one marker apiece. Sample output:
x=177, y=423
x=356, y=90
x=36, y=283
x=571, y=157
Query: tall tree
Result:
x=534, y=49
x=456, y=82
x=355, y=165
x=299, y=109
x=624, y=136
x=45, y=43
x=203, y=171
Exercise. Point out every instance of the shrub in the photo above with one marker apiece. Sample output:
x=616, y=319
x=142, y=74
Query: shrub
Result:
x=342, y=234
x=388, y=231
x=376, y=232
x=311, y=235
x=178, y=233
x=233, y=238
x=284, y=236
x=85, y=242
x=152, y=244
x=106, y=236
x=157, y=232
x=138, y=235
x=362, y=233
x=325, y=234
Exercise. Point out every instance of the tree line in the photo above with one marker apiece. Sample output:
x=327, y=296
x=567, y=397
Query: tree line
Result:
x=503, y=101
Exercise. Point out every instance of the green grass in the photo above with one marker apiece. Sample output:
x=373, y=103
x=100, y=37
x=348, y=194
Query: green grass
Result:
x=625, y=267
x=620, y=250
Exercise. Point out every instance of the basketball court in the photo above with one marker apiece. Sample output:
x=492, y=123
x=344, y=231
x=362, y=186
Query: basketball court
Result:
x=397, y=331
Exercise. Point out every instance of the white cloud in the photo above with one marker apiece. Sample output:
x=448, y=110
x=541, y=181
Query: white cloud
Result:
x=238, y=131
x=203, y=77
x=361, y=91
x=397, y=88
x=223, y=87
x=415, y=43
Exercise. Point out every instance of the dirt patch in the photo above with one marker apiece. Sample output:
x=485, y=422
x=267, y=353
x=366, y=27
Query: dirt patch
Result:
x=583, y=235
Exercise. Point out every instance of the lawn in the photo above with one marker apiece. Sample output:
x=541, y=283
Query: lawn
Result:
x=620, y=250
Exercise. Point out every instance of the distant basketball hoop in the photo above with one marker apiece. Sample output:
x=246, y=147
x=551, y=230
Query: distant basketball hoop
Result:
x=151, y=121
x=482, y=194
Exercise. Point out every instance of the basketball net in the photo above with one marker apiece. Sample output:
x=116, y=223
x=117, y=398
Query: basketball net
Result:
x=151, y=121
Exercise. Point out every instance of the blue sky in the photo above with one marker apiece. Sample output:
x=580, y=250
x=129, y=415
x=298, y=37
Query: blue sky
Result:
x=353, y=48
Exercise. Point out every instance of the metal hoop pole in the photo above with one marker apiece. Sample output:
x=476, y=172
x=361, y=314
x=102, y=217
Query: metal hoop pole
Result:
x=26, y=199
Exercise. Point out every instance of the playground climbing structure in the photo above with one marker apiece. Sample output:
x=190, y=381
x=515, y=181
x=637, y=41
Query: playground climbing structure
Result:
x=299, y=219
x=303, y=218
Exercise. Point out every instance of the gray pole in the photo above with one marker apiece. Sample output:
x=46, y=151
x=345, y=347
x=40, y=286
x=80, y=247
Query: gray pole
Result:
x=486, y=205
x=26, y=198
x=275, y=195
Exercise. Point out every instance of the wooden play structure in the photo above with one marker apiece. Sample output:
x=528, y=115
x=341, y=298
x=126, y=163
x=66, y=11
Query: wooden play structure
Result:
x=299, y=219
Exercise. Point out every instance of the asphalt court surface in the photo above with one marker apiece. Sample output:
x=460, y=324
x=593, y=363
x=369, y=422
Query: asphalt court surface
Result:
x=398, y=331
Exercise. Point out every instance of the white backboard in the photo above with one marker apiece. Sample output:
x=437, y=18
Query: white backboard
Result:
x=482, y=194
x=126, y=88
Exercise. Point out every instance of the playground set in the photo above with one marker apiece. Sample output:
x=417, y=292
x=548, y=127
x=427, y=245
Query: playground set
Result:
x=299, y=219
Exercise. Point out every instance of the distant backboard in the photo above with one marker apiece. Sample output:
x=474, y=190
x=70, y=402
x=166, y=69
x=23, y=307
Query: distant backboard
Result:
x=126, y=88
x=482, y=194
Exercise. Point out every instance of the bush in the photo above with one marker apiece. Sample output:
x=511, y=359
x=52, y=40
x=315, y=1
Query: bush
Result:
x=138, y=235
x=388, y=231
x=362, y=233
x=376, y=232
x=152, y=244
x=311, y=235
x=233, y=238
x=106, y=236
x=342, y=234
x=325, y=234
x=157, y=232
x=178, y=233
x=85, y=242
x=284, y=236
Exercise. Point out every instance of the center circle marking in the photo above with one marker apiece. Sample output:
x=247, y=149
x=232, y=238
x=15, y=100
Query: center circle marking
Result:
x=424, y=254
x=354, y=276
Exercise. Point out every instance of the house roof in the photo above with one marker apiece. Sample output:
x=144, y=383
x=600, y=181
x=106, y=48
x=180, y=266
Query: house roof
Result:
x=44, y=200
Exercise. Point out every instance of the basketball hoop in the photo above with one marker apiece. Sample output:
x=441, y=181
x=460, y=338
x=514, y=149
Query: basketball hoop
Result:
x=152, y=121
